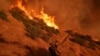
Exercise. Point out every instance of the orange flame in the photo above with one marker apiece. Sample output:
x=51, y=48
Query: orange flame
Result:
x=19, y=5
x=49, y=20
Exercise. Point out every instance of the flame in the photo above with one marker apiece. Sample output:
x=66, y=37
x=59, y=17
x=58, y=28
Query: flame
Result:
x=22, y=7
x=49, y=20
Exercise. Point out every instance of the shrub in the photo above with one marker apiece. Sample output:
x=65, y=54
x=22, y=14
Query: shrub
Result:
x=34, y=28
x=3, y=16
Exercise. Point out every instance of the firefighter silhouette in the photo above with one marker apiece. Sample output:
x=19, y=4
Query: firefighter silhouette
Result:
x=53, y=49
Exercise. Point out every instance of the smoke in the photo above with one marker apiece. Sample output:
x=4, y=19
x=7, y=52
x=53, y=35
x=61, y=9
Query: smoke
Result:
x=67, y=13
x=78, y=15
x=4, y=4
x=90, y=19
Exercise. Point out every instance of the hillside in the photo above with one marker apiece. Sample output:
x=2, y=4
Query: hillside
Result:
x=22, y=36
x=19, y=33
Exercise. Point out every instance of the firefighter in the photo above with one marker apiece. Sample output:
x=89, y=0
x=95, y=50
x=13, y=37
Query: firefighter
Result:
x=53, y=49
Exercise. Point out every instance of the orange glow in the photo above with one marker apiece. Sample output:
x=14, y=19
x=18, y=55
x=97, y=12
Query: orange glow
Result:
x=49, y=20
x=19, y=5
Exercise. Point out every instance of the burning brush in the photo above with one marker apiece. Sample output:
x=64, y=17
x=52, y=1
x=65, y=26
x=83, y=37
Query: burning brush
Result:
x=49, y=20
x=40, y=25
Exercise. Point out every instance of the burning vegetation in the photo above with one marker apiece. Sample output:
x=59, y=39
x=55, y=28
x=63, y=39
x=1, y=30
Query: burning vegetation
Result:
x=40, y=25
x=28, y=33
x=49, y=20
